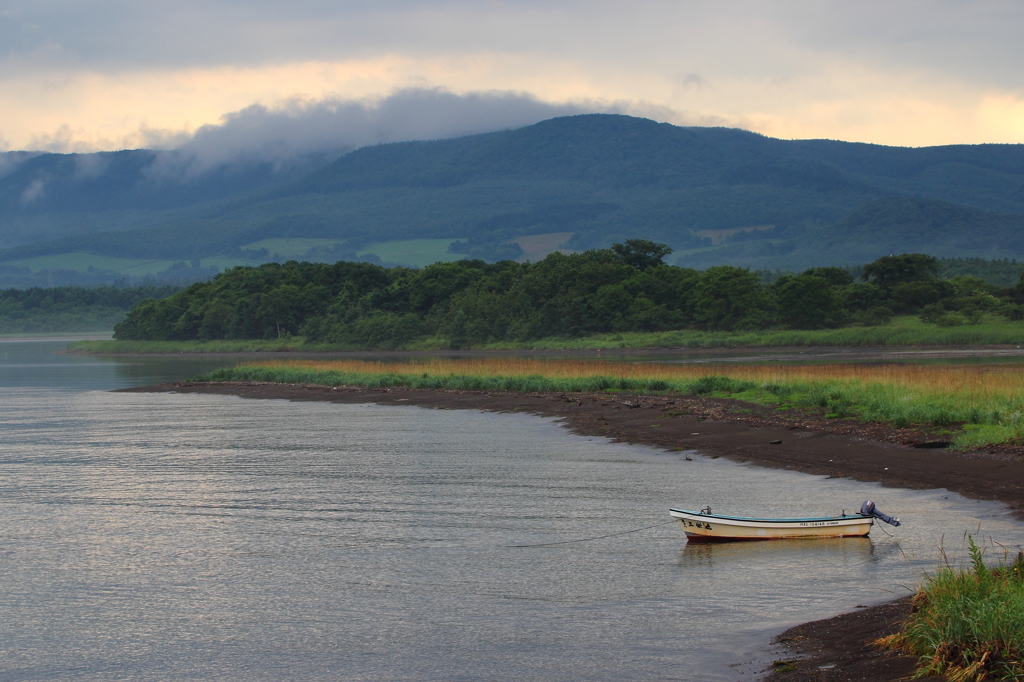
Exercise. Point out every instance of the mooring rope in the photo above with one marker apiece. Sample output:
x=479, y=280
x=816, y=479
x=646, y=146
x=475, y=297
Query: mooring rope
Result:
x=898, y=545
x=599, y=537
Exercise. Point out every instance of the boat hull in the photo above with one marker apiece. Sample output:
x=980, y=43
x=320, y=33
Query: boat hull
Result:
x=716, y=528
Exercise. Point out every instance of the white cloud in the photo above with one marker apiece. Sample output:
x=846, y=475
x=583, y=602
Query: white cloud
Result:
x=89, y=166
x=35, y=190
x=10, y=161
x=262, y=134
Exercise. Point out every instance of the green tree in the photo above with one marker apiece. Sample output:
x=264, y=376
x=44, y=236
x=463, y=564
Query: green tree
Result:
x=217, y=321
x=837, y=277
x=888, y=271
x=862, y=296
x=916, y=294
x=279, y=310
x=732, y=298
x=641, y=253
x=808, y=302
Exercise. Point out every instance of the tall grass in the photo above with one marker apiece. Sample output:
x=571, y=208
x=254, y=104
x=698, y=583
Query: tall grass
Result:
x=967, y=624
x=977, y=404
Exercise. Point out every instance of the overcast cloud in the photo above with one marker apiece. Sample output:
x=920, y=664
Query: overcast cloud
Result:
x=115, y=73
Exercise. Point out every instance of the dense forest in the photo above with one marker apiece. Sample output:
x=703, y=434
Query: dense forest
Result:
x=71, y=308
x=627, y=287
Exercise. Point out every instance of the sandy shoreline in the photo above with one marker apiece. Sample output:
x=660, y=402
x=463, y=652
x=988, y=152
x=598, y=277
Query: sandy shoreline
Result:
x=744, y=433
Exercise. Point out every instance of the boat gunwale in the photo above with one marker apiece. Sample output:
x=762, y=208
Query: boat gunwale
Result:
x=849, y=519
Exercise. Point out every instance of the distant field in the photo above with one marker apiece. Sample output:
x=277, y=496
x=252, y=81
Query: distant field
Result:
x=415, y=252
x=410, y=252
x=81, y=262
x=717, y=236
x=422, y=252
x=224, y=263
x=290, y=248
x=537, y=246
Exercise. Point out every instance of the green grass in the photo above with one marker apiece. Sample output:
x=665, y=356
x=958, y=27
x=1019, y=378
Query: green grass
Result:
x=902, y=331
x=967, y=624
x=976, y=422
x=459, y=382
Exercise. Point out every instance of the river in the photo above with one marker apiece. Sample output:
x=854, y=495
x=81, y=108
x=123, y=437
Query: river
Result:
x=185, y=537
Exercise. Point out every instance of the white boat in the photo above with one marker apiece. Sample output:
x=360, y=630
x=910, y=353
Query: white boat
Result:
x=703, y=526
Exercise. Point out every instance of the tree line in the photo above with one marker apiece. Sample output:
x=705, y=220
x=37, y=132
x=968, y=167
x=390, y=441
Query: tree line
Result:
x=71, y=308
x=624, y=288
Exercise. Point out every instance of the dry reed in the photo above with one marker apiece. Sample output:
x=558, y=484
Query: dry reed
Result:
x=974, y=382
x=975, y=404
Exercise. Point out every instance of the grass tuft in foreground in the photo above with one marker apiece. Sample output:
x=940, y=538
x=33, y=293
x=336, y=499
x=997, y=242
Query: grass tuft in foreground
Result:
x=967, y=624
x=974, y=405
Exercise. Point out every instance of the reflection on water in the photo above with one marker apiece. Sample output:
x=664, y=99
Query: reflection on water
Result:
x=720, y=554
x=44, y=364
x=185, y=537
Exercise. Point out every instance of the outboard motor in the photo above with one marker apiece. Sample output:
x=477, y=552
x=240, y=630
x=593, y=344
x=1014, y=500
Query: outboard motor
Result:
x=869, y=509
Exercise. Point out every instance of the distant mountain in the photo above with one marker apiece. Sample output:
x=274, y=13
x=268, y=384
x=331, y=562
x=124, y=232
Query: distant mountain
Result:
x=716, y=195
x=50, y=195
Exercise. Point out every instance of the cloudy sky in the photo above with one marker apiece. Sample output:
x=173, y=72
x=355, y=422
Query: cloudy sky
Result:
x=110, y=74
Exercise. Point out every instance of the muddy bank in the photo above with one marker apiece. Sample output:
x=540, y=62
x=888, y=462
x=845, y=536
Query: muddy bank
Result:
x=839, y=649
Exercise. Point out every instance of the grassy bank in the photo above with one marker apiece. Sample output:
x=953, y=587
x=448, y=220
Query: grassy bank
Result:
x=973, y=405
x=903, y=331
x=967, y=624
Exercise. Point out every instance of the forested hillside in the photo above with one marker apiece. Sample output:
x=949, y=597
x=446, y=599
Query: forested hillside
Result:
x=887, y=225
x=49, y=196
x=715, y=195
x=627, y=287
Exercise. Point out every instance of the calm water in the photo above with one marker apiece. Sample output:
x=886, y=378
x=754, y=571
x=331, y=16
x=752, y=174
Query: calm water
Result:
x=182, y=537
